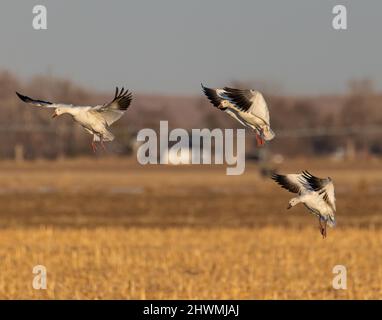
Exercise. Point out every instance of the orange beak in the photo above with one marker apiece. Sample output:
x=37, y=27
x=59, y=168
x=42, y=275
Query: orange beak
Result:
x=54, y=115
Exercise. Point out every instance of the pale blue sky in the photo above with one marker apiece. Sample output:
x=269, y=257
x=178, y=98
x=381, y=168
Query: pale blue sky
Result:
x=170, y=46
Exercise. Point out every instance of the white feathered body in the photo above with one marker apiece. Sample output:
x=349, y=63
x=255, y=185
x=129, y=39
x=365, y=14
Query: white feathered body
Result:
x=91, y=121
x=256, y=117
x=318, y=206
x=96, y=120
x=316, y=194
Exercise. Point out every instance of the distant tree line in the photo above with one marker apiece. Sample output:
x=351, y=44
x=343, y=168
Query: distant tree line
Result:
x=32, y=130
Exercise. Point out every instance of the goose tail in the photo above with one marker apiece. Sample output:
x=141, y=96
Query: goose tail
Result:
x=268, y=133
x=331, y=221
x=107, y=136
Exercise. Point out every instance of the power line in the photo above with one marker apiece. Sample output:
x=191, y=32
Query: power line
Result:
x=329, y=131
x=283, y=133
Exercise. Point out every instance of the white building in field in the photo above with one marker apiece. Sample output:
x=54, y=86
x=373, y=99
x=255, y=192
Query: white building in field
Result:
x=177, y=157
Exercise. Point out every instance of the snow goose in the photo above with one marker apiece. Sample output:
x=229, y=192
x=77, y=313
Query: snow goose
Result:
x=96, y=120
x=315, y=193
x=246, y=106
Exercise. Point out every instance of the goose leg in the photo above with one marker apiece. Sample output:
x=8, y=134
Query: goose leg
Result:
x=259, y=136
x=322, y=228
x=103, y=145
x=259, y=140
x=262, y=141
x=324, y=231
x=93, y=144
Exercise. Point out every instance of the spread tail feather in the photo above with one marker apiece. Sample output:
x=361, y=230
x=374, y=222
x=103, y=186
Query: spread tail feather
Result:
x=268, y=133
x=331, y=221
x=108, y=136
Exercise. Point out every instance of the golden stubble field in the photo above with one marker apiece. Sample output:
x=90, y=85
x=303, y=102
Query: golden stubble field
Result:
x=108, y=228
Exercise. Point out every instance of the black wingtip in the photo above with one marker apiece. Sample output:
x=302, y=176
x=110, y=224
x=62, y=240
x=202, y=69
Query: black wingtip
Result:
x=206, y=90
x=307, y=173
x=22, y=97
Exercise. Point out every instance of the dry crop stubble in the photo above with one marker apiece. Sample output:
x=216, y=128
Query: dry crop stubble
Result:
x=183, y=232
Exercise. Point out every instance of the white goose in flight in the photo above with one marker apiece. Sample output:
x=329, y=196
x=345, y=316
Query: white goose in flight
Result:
x=95, y=120
x=246, y=106
x=315, y=193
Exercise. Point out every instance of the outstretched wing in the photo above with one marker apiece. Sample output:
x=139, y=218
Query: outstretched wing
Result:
x=329, y=195
x=233, y=115
x=316, y=183
x=322, y=186
x=241, y=98
x=37, y=103
x=219, y=99
x=291, y=182
x=213, y=96
x=114, y=110
x=249, y=101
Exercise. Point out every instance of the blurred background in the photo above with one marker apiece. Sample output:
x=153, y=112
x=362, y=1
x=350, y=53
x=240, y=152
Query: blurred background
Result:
x=322, y=86
x=342, y=126
x=107, y=227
